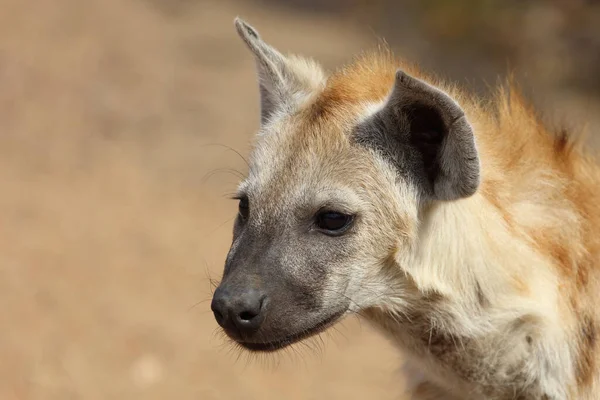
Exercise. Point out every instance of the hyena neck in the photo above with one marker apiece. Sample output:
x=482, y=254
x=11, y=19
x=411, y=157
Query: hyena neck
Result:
x=466, y=253
x=475, y=287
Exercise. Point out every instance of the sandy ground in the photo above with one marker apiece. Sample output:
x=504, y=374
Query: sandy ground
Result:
x=111, y=221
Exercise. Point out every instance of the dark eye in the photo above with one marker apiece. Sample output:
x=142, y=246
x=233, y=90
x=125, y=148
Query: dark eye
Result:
x=243, y=207
x=332, y=222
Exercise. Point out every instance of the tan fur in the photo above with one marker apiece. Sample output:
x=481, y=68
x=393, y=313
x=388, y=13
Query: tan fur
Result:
x=471, y=290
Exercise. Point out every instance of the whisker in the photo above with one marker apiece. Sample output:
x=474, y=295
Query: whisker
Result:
x=218, y=227
x=198, y=303
x=229, y=148
x=232, y=171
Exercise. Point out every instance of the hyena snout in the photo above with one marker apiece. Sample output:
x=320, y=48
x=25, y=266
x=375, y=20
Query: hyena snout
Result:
x=240, y=311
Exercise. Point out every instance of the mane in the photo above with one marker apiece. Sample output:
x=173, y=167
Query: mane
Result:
x=370, y=77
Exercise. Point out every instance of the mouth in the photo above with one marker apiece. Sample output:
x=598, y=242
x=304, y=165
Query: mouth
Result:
x=278, y=344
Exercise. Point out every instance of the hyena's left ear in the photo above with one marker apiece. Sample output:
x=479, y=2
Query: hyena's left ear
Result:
x=283, y=81
x=424, y=133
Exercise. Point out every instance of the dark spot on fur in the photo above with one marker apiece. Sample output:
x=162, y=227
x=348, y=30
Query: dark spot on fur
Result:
x=586, y=364
x=589, y=333
x=439, y=343
x=561, y=141
x=529, y=340
x=433, y=297
x=481, y=299
x=583, y=270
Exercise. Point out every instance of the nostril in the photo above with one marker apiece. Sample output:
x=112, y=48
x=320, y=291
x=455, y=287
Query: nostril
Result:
x=247, y=315
x=252, y=315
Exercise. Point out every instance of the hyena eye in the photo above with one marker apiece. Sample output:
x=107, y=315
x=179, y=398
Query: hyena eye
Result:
x=243, y=207
x=333, y=223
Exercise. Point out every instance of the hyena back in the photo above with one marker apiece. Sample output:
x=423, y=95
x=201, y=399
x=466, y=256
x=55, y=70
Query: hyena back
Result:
x=466, y=231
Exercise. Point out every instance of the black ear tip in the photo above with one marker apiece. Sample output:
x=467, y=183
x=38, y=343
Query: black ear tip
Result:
x=405, y=80
x=401, y=76
x=244, y=29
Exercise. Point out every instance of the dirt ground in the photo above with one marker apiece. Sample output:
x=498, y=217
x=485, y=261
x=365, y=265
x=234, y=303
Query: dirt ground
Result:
x=113, y=208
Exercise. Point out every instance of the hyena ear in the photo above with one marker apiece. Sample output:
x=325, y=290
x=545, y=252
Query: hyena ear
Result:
x=425, y=133
x=283, y=81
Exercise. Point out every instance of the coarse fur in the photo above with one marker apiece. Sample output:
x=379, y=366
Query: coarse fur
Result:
x=475, y=244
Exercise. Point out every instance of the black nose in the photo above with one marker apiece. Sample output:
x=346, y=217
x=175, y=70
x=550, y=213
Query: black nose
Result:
x=240, y=311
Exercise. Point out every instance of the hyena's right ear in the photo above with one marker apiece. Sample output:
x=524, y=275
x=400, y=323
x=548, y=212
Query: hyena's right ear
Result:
x=283, y=81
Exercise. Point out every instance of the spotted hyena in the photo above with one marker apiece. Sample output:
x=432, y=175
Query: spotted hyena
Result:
x=468, y=232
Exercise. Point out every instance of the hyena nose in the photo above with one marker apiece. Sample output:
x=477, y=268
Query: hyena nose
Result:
x=241, y=312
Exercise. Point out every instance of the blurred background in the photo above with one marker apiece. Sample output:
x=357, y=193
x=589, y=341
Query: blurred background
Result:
x=115, y=122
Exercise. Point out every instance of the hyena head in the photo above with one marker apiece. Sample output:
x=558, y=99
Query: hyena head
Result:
x=338, y=178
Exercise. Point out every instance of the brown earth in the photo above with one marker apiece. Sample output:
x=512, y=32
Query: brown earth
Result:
x=113, y=209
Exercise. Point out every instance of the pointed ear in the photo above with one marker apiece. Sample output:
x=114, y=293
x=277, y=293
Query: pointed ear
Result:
x=282, y=80
x=425, y=134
